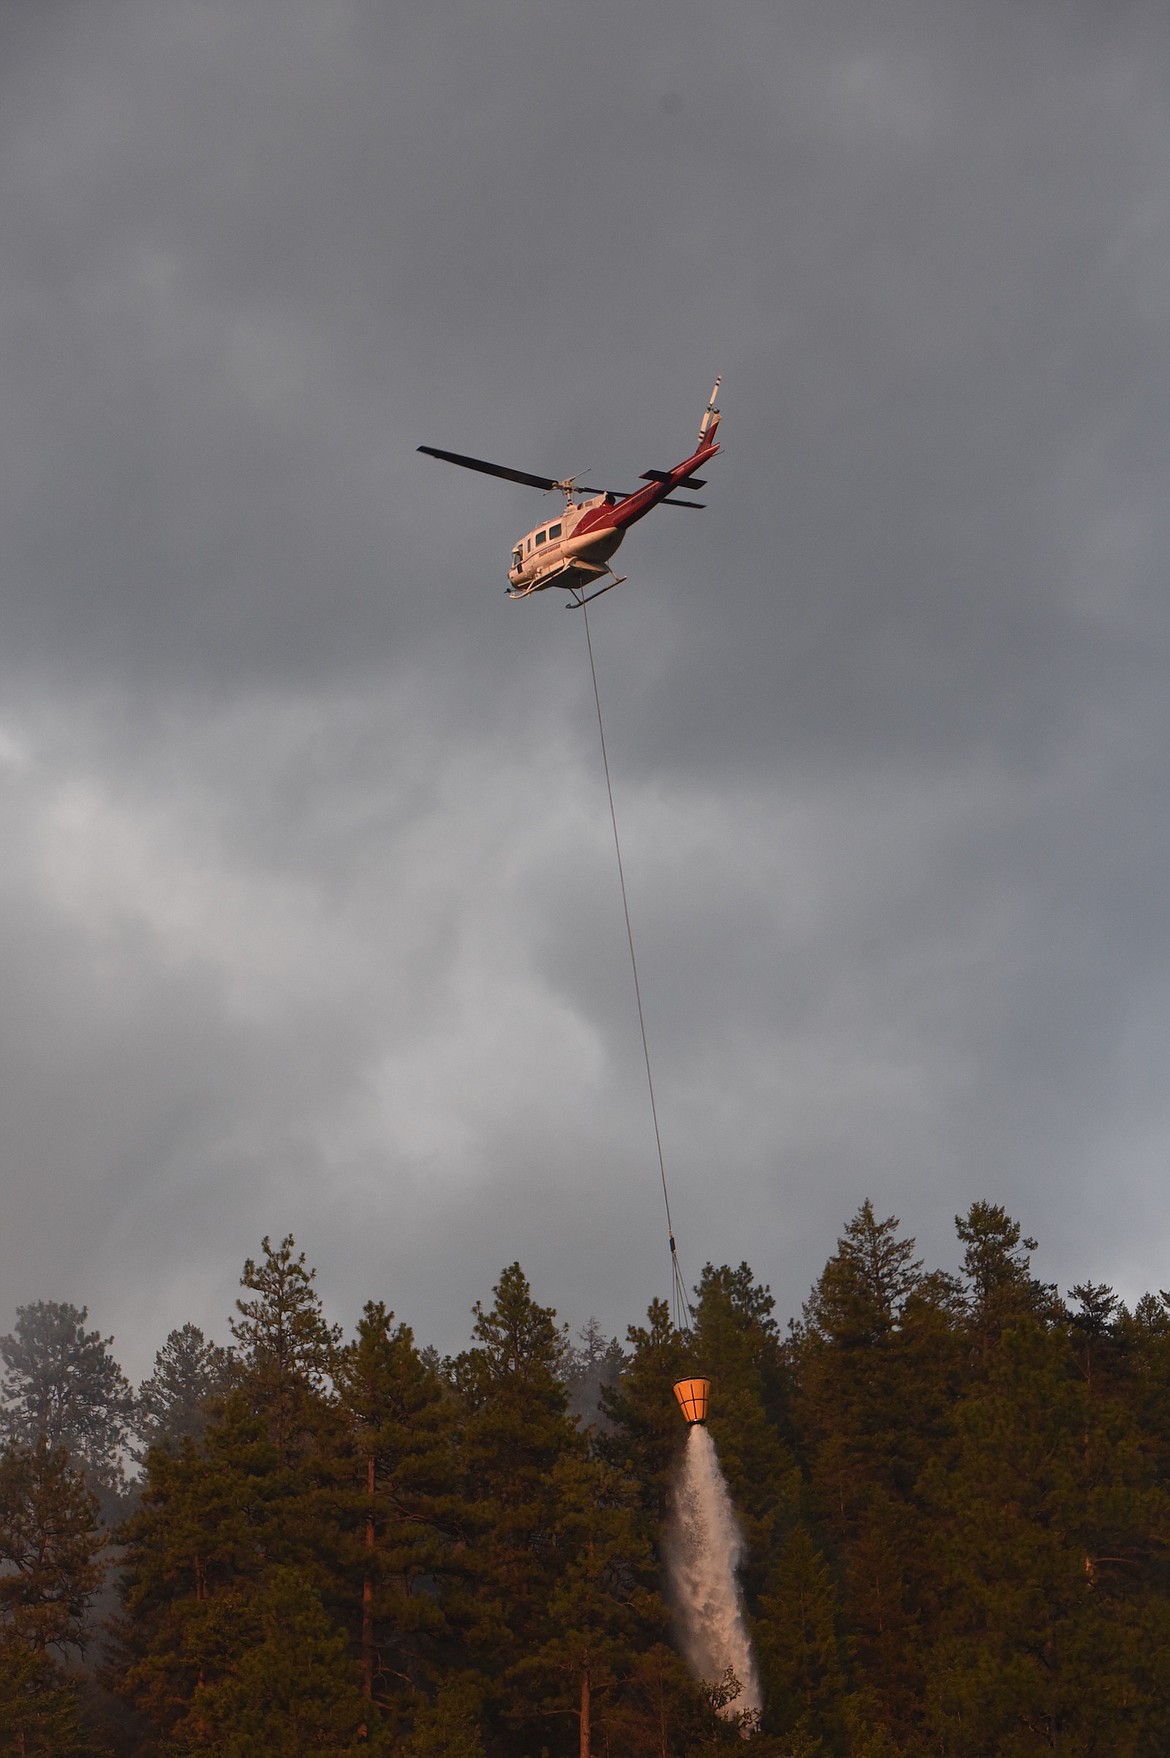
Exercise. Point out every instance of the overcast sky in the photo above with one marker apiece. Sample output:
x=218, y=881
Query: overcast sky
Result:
x=309, y=914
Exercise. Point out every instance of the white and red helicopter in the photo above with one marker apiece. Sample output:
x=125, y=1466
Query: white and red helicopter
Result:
x=574, y=550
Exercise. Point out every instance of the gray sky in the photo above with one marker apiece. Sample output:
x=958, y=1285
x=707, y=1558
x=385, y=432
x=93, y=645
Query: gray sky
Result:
x=309, y=916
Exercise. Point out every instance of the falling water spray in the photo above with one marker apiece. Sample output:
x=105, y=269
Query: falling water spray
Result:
x=704, y=1547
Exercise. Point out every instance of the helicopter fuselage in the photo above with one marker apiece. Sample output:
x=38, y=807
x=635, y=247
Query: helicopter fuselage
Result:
x=576, y=547
x=578, y=543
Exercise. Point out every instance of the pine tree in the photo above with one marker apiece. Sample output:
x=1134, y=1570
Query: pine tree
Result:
x=860, y=1296
x=1052, y=1547
x=398, y=1466
x=39, y=1712
x=589, y=1368
x=645, y=1434
x=876, y=1361
x=516, y=1435
x=50, y=1549
x=737, y=1341
x=802, y=1656
x=1141, y=1368
x=997, y=1267
x=286, y=1348
x=63, y=1388
x=50, y=1570
x=172, y=1404
x=257, y=1490
x=211, y=1517
x=451, y=1726
x=290, y=1687
x=661, y=1712
x=601, y=1609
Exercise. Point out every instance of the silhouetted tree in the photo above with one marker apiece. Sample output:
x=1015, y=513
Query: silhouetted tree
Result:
x=285, y=1346
x=62, y=1387
x=189, y=1371
x=1051, y=1544
x=875, y=1361
x=516, y=1439
x=50, y=1570
x=997, y=1268
x=399, y=1476
x=646, y=1434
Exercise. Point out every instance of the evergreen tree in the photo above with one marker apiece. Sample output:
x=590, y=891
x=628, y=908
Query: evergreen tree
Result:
x=876, y=1362
x=601, y=1608
x=189, y=1371
x=589, y=1368
x=1091, y=1322
x=212, y=1516
x=801, y=1651
x=398, y=1461
x=861, y=1294
x=290, y=1687
x=661, y=1712
x=49, y=1572
x=39, y=1712
x=62, y=1387
x=737, y=1341
x=257, y=1490
x=645, y=1434
x=1140, y=1366
x=1052, y=1545
x=997, y=1266
x=516, y=1434
x=451, y=1727
x=50, y=1547
x=286, y=1348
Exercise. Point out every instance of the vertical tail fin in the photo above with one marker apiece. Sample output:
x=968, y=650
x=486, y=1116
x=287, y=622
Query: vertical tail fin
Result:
x=710, y=419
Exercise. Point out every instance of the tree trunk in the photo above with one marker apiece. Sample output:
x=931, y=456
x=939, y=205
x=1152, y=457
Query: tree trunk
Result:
x=368, y=1590
x=586, y=1743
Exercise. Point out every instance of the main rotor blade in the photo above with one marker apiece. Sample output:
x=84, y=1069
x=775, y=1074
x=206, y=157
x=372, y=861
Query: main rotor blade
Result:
x=523, y=476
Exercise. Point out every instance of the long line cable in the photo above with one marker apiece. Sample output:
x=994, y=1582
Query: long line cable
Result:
x=682, y=1315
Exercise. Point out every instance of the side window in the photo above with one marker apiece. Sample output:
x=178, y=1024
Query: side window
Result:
x=540, y=537
x=553, y=531
x=530, y=546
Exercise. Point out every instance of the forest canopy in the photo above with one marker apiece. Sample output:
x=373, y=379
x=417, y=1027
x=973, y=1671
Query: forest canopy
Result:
x=954, y=1488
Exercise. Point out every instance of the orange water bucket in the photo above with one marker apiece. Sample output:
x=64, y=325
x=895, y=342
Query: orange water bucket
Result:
x=692, y=1397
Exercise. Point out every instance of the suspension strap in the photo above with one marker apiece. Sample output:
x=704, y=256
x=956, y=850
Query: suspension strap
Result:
x=681, y=1313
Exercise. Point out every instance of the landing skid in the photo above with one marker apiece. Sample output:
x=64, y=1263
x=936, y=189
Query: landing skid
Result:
x=559, y=579
x=579, y=603
x=543, y=583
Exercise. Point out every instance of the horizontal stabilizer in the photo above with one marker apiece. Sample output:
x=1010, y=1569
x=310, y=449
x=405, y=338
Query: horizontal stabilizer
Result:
x=683, y=482
x=669, y=503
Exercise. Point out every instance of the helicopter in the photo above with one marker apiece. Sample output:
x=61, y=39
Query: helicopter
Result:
x=574, y=550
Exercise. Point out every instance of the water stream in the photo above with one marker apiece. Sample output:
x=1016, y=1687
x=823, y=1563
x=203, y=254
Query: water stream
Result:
x=704, y=1546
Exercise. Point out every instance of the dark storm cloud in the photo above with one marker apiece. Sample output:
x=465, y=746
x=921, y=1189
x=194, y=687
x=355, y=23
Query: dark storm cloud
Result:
x=308, y=914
